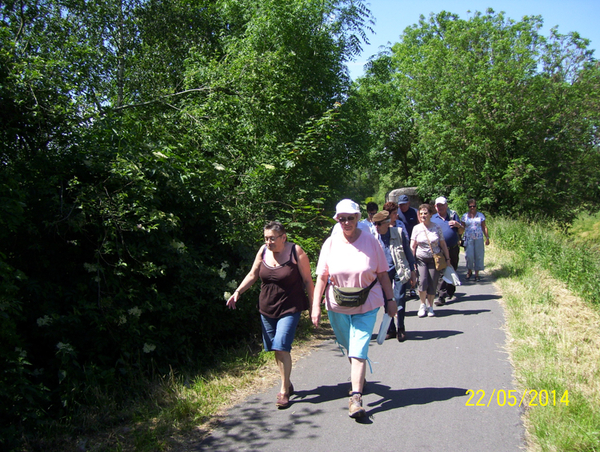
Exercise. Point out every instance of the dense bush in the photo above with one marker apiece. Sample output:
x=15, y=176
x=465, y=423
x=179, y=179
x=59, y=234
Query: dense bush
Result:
x=143, y=145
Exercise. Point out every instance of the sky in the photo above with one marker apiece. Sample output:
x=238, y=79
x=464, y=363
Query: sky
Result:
x=393, y=16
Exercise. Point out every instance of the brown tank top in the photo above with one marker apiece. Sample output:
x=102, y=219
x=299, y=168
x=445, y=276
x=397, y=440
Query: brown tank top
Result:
x=282, y=290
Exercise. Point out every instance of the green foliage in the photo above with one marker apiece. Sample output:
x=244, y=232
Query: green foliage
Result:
x=389, y=118
x=586, y=230
x=488, y=108
x=553, y=250
x=143, y=146
x=552, y=334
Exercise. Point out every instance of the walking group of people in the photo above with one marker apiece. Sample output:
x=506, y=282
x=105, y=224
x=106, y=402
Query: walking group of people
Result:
x=362, y=266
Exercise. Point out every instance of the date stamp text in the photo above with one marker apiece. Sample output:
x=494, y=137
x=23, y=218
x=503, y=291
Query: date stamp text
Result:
x=529, y=397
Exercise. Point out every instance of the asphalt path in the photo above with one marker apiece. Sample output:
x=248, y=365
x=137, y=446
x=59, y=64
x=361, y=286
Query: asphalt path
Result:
x=417, y=396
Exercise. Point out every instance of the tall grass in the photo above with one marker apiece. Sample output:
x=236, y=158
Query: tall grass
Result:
x=586, y=230
x=566, y=256
x=553, y=335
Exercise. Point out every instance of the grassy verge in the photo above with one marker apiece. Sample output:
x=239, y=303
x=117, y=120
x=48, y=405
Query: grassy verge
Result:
x=174, y=410
x=552, y=333
x=586, y=231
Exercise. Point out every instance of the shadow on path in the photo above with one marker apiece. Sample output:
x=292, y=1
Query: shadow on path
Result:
x=443, y=311
x=416, y=335
x=399, y=398
x=252, y=427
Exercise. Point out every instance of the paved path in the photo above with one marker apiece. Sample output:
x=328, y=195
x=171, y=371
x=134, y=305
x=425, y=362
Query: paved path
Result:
x=415, y=398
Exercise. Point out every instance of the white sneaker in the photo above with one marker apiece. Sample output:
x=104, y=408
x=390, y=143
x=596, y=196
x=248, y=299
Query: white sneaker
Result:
x=421, y=312
x=430, y=312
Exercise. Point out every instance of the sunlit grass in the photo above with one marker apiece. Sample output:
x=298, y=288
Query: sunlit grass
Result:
x=554, y=345
x=586, y=230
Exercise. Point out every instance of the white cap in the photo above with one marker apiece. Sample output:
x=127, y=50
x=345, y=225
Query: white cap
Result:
x=346, y=206
x=441, y=200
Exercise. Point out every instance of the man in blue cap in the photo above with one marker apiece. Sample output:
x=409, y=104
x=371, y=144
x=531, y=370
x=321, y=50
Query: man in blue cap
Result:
x=407, y=214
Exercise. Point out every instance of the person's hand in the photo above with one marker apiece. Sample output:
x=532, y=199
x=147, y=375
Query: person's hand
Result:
x=315, y=315
x=391, y=308
x=487, y=241
x=413, y=279
x=233, y=300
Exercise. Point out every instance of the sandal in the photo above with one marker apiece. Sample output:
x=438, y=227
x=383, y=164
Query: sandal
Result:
x=469, y=274
x=283, y=400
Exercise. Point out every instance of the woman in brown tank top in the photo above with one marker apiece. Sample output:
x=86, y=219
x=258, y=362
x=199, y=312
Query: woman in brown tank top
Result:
x=287, y=290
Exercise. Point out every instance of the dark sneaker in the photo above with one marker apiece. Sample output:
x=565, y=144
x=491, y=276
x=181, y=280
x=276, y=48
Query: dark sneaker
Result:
x=440, y=301
x=401, y=335
x=355, y=408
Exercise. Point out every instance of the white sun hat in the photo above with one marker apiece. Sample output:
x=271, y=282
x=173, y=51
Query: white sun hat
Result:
x=346, y=206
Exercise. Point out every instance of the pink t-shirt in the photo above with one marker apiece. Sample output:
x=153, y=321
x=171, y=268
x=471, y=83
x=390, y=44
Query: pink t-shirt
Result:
x=352, y=265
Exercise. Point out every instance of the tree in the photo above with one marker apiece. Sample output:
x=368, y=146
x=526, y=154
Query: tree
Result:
x=389, y=122
x=143, y=146
x=501, y=113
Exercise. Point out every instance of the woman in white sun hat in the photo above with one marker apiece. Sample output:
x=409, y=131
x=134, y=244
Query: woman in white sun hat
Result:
x=352, y=272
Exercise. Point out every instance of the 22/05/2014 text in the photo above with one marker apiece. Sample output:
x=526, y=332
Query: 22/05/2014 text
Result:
x=502, y=397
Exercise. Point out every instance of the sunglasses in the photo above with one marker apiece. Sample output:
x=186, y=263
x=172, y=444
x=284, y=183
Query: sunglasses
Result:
x=345, y=219
x=472, y=207
x=379, y=223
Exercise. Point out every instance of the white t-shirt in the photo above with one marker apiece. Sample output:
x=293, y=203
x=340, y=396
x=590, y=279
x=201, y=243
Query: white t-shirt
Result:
x=420, y=234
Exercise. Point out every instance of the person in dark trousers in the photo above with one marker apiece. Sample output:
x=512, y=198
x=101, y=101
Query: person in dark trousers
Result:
x=407, y=214
x=401, y=262
x=452, y=228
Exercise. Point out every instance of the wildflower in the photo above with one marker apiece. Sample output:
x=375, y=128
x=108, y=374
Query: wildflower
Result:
x=43, y=321
x=232, y=284
x=149, y=348
x=226, y=295
x=66, y=348
x=135, y=311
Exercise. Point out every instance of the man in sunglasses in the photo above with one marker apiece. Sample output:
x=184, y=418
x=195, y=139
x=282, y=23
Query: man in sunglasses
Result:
x=372, y=209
